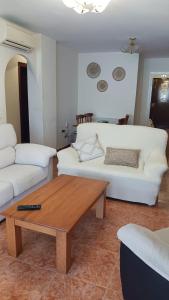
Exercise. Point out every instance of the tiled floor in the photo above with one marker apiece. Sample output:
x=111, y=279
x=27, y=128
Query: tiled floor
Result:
x=95, y=272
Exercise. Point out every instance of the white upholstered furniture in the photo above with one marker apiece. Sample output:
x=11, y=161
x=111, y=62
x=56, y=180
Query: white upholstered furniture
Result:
x=144, y=262
x=23, y=167
x=140, y=184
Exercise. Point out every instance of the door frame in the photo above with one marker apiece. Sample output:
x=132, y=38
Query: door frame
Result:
x=151, y=77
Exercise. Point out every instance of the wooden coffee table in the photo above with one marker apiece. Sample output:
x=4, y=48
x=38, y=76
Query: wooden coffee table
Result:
x=64, y=201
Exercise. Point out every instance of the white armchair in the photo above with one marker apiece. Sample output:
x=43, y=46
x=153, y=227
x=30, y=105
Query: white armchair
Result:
x=140, y=184
x=23, y=167
x=144, y=263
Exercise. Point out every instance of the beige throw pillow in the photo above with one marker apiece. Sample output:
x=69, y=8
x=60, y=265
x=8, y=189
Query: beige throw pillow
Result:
x=88, y=149
x=122, y=157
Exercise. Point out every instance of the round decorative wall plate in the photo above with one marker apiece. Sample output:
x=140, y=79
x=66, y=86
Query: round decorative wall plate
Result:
x=93, y=70
x=119, y=74
x=102, y=85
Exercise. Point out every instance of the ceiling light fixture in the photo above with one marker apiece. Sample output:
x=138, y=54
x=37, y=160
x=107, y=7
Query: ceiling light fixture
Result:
x=132, y=46
x=85, y=6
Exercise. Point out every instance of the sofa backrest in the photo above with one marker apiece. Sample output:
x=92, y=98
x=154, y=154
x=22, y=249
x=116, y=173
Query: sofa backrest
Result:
x=126, y=136
x=7, y=143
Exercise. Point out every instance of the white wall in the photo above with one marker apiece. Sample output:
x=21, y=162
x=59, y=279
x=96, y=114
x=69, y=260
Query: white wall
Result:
x=139, y=90
x=67, y=91
x=148, y=66
x=119, y=99
x=48, y=72
x=12, y=94
x=40, y=95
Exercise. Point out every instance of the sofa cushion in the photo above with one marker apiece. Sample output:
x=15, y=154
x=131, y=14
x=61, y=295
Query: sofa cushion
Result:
x=7, y=136
x=97, y=166
x=122, y=157
x=7, y=157
x=89, y=148
x=22, y=177
x=6, y=192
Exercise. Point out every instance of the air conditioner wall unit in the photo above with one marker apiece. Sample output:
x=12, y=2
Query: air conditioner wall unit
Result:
x=12, y=35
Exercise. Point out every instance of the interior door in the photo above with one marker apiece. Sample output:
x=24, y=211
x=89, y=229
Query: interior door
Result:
x=23, y=99
x=159, y=111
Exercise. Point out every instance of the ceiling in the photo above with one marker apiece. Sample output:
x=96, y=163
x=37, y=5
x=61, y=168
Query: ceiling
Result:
x=148, y=20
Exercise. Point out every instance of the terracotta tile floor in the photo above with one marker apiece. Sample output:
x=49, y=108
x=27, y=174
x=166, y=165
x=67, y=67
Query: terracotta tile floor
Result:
x=95, y=272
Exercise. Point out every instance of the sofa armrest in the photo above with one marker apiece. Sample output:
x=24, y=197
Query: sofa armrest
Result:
x=34, y=154
x=147, y=246
x=156, y=165
x=67, y=156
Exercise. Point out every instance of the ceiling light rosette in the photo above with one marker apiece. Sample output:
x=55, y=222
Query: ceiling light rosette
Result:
x=85, y=6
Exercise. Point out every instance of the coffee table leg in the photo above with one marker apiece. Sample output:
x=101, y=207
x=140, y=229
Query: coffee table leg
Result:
x=63, y=251
x=101, y=206
x=14, y=237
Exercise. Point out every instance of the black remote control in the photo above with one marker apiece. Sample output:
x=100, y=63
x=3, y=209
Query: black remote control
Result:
x=29, y=207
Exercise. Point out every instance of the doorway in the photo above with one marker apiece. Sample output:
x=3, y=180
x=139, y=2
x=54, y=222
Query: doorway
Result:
x=159, y=108
x=17, y=107
x=23, y=102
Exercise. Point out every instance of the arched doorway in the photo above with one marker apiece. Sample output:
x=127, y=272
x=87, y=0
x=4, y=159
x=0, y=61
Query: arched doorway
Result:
x=16, y=88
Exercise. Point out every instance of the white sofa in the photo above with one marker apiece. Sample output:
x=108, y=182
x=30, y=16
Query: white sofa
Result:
x=23, y=167
x=140, y=184
x=144, y=262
